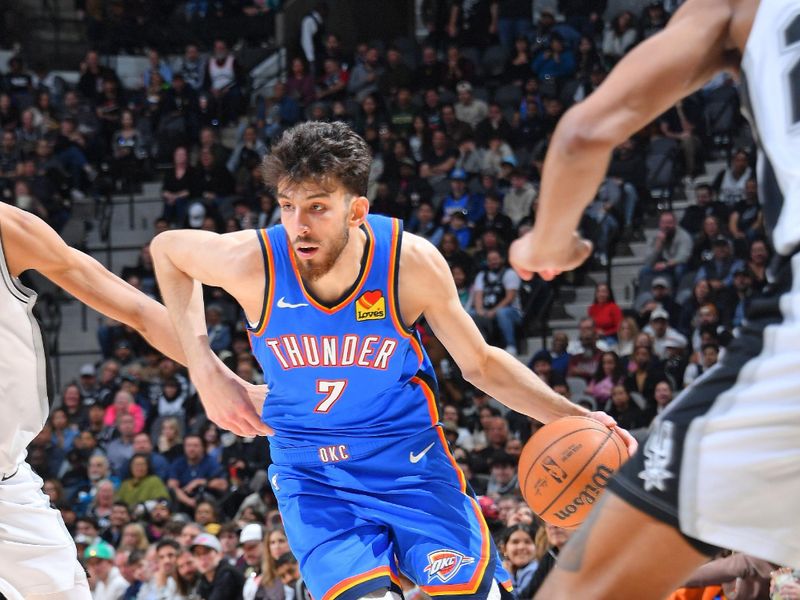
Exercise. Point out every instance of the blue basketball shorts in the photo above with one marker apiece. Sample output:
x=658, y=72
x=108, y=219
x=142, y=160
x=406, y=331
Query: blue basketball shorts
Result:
x=356, y=522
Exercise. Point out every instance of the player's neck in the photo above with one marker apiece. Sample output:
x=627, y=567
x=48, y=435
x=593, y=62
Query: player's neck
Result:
x=332, y=286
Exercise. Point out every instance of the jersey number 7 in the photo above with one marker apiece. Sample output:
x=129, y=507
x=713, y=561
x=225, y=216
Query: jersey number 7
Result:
x=333, y=390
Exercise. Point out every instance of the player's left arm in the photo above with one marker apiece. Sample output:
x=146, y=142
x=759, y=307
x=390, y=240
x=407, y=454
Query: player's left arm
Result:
x=32, y=244
x=425, y=273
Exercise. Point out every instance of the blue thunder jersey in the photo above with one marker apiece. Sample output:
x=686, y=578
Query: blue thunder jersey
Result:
x=347, y=376
x=365, y=482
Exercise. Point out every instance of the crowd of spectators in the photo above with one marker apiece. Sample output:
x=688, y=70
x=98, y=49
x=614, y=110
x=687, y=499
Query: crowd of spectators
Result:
x=165, y=505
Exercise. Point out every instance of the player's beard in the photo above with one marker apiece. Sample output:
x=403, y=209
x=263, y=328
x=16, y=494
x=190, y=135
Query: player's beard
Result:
x=328, y=254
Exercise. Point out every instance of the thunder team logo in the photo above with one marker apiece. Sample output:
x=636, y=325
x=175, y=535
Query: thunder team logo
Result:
x=444, y=564
x=371, y=306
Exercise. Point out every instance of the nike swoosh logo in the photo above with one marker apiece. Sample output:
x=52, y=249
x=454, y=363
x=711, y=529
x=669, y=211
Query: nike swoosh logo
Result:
x=415, y=458
x=275, y=482
x=282, y=303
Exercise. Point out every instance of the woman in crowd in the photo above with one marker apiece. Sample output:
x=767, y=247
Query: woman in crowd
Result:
x=628, y=330
x=702, y=293
x=72, y=403
x=181, y=184
x=186, y=576
x=759, y=256
x=269, y=585
x=300, y=85
x=606, y=313
x=519, y=551
x=133, y=538
x=609, y=373
x=141, y=484
x=170, y=439
x=624, y=410
x=518, y=68
x=63, y=434
x=619, y=37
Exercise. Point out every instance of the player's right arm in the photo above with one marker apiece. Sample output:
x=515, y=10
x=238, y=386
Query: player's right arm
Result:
x=647, y=81
x=427, y=287
x=185, y=259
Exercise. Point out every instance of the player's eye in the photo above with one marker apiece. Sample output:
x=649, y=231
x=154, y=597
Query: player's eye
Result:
x=286, y=207
x=317, y=207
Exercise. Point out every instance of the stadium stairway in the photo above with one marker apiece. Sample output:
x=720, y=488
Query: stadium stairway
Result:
x=574, y=301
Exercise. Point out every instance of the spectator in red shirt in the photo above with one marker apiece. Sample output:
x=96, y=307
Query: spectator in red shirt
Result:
x=606, y=313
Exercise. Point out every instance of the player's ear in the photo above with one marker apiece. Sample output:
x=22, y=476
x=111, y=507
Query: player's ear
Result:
x=359, y=209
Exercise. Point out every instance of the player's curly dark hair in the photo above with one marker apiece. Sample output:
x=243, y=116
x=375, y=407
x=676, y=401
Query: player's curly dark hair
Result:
x=325, y=153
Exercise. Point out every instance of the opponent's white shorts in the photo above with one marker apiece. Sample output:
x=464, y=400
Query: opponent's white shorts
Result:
x=722, y=462
x=37, y=553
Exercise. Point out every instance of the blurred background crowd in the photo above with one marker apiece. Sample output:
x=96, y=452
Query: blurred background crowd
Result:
x=162, y=503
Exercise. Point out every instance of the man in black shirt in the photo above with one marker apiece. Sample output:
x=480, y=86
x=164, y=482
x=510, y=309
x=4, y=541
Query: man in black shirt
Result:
x=219, y=580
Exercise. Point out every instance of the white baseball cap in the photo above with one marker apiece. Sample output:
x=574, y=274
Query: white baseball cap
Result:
x=251, y=533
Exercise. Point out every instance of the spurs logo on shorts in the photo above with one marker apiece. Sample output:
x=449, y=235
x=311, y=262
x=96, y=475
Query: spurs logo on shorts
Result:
x=444, y=564
x=658, y=456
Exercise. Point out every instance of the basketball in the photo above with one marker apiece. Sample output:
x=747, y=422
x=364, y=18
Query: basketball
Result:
x=565, y=466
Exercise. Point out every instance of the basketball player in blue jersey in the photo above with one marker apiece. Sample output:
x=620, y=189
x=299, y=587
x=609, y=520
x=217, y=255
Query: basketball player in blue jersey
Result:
x=721, y=466
x=365, y=482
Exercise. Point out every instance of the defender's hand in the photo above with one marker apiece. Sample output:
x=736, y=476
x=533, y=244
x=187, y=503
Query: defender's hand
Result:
x=528, y=256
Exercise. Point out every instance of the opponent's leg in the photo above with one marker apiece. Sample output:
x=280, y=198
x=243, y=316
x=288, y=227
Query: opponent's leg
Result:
x=620, y=553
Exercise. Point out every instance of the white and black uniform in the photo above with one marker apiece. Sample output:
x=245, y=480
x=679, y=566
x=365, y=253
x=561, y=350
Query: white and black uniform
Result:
x=37, y=553
x=722, y=463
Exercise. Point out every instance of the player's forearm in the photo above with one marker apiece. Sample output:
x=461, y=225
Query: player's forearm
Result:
x=509, y=381
x=573, y=171
x=184, y=300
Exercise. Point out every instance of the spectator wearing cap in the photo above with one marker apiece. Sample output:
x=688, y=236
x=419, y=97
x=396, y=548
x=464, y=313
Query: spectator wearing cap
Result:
x=141, y=485
x=670, y=252
x=105, y=580
x=87, y=383
x=737, y=296
x=218, y=579
x=659, y=295
x=662, y=333
x=502, y=474
x=251, y=542
x=718, y=270
x=469, y=109
x=460, y=200
x=458, y=225
x=520, y=198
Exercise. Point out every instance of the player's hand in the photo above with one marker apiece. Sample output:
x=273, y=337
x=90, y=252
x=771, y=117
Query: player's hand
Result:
x=228, y=402
x=257, y=394
x=630, y=442
x=528, y=256
x=790, y=590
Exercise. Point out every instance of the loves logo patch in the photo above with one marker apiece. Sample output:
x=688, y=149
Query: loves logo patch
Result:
x=444, y=564
x=370, y=306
